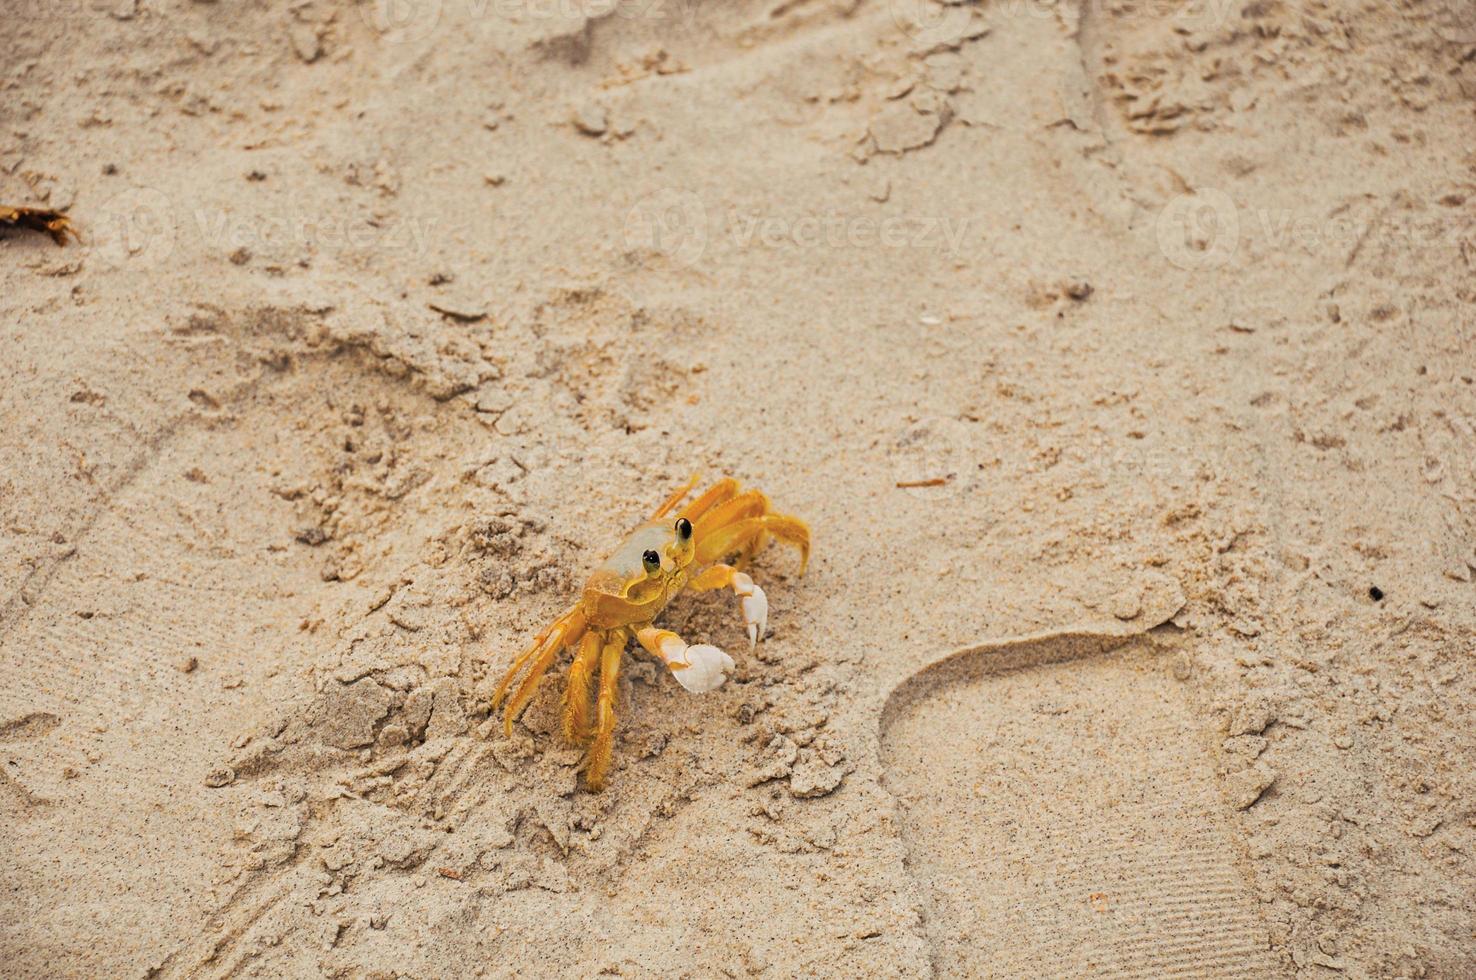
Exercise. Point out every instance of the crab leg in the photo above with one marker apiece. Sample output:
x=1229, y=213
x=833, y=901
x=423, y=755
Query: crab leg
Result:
x=523, y=659
x=720, y=492
x=750, y=503
x=699, y=667
x=676, y=497
x=597, y=762
x=578, y=703
x=570, y=629
x=738, y=535
x=752, y=600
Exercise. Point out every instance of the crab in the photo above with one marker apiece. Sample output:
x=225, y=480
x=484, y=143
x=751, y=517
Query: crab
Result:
x=656, y=562
x=54, y=223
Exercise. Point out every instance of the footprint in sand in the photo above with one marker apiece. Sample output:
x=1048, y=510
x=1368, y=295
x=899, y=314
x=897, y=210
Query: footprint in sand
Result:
x=1059, y=809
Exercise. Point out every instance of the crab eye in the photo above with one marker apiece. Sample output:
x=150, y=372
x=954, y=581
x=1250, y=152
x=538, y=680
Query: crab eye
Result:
x=652, y=562
x=684, y=528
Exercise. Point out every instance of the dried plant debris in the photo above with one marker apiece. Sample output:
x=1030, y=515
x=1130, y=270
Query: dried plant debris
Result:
x=53, y=223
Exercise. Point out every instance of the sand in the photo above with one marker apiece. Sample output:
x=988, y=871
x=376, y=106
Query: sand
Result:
x=1120, y=357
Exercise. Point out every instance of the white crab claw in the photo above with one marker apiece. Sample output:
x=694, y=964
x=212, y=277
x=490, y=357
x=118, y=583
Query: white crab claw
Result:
x=756, y=615
x=755, y=607
x=701, y=668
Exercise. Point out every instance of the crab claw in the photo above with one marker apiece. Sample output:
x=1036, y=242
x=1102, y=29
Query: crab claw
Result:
x=755, y=607
x=699, y=668
x=705, y=670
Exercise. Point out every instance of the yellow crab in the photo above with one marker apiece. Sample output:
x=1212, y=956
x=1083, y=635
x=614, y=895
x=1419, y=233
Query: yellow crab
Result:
x=654, y=564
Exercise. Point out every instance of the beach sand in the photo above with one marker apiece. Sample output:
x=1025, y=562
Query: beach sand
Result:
x=1120, y=358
